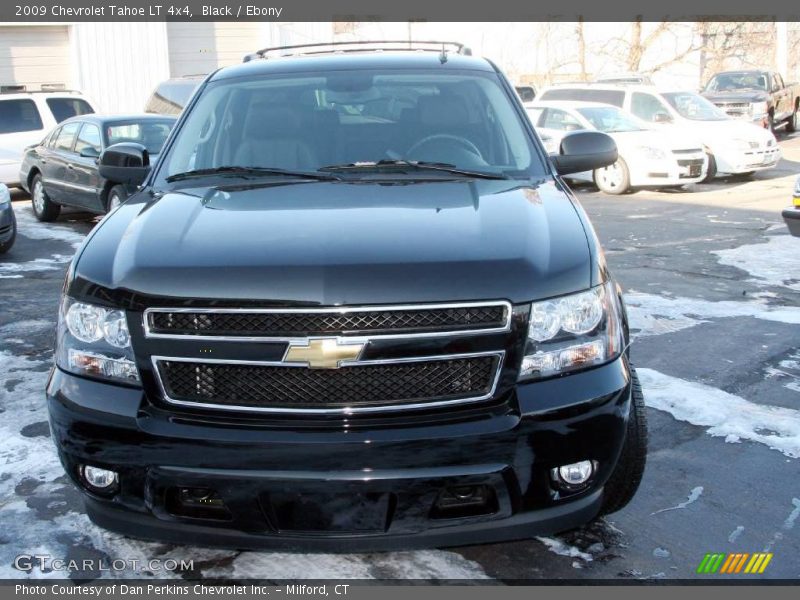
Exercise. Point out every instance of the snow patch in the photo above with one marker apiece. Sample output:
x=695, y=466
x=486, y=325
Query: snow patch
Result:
x=735, y=533
x=774, y=263
x=724, y=414
x=693, y=496
x=30, y=227
x=651, y=314
x=561, y=548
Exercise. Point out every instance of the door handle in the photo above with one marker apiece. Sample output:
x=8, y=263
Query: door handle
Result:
x=43, y=161
x=70, y=167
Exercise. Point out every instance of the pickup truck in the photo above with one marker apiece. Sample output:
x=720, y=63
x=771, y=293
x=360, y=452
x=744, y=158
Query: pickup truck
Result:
x=353, y=305
x=758, y=96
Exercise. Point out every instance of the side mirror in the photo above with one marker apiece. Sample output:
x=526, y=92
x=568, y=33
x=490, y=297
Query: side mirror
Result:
x=126, y=162
x=90, y=152
x=584, y=151
x=662, y=117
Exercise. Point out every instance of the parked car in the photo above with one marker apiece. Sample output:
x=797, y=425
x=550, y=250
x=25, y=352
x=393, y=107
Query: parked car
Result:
x=647, y=158
x=172, y=95
x=25, y=118
x=8, y=222
x=756, y=95
x=527, y=93
x=320, y=325
x=791, y=215
x=733, y=146
x=62, y=170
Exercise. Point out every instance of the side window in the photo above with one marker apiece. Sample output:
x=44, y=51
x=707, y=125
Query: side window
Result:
x=560, y=120
x=19, y=115
x=89, y=139
x=534, y=115
x=65, y=108
x=646, y=106
x=50, y=140
x=66, y=136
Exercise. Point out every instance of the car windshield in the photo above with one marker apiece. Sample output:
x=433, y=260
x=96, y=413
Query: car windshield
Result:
x=733, y=82
x=610, y=119
x=359, y=123
x=694, y=107
x=151, y=134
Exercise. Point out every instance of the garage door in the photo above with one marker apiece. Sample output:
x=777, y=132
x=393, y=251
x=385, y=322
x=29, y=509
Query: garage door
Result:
x=34, y=55
x=199, y=48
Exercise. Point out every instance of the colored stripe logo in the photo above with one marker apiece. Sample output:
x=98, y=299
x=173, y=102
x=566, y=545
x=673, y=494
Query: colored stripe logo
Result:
x=733, y=563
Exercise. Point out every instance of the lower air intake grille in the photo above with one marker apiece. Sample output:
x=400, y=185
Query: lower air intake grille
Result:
x=257, y=387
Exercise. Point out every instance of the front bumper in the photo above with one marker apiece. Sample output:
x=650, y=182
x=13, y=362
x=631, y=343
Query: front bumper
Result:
x=757, y=159
x=363, y=487
x=690, y=168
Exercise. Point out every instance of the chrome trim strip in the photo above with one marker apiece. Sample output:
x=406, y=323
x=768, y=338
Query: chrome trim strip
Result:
x=74, y=186
x=500, y=354
x=348, y=309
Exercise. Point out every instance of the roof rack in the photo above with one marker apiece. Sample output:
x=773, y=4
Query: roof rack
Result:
x=45, y=88
x=360, y=46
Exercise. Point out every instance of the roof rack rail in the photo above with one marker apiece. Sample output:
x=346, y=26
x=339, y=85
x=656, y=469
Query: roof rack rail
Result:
x=360, y=46
x=45, y=88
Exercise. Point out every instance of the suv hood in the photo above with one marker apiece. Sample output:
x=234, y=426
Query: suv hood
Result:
x=331, y=243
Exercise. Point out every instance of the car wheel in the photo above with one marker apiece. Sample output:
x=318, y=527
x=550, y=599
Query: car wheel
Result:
x=770, y=123
x=116, y=196
x=712, y=169
x=43, y=208
x=627, y=475
x=791, y=124
x=614, y=179
x=6, y=246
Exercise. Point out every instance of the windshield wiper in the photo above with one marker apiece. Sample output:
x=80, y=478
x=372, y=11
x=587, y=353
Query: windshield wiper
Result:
x=252, y=171
x=411, y=164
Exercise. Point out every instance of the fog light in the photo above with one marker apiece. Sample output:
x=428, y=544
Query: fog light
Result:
x=99, y=480
x=574, y=475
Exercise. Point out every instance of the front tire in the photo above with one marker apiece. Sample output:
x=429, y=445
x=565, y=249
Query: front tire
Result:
x=116, y=196
x=44, y=209
x=712, y=169
x=6, y=246
x=614, y=179
x=791, y=124
x=627, y=475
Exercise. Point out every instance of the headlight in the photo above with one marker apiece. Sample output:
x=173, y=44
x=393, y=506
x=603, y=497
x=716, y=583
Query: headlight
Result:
x=94, y=341
x=572, y=332
x=5, y=195
x=743, y=145
x=652, y=153
x=758, y=109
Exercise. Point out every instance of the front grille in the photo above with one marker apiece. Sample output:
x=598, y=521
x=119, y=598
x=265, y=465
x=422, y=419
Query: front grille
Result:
x=687, y=151
x=733, y=104
x=281, y=323
x=269, y=387
x=690, y=162
x=5, y=230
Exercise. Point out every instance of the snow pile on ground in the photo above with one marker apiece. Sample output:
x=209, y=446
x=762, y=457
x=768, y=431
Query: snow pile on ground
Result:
x=774, y=263
x=725, y=415
x=656, y=315
x=561, y=548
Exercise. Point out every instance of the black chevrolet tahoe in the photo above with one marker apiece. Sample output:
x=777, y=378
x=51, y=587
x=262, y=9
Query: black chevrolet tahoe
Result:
x=352, y=306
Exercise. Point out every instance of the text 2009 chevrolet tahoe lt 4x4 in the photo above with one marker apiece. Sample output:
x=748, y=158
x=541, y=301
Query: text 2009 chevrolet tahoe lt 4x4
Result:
x=353, y=306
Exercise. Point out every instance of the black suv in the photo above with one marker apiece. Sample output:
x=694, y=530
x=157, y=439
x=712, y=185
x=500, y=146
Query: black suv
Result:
x=352, y=306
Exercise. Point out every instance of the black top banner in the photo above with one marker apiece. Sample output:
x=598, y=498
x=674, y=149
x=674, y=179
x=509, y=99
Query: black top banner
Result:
x=33, y=11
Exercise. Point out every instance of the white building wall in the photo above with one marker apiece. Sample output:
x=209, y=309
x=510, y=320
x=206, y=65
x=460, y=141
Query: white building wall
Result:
x=119, y=64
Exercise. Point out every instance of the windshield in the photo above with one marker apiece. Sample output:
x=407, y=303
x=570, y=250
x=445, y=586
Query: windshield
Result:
x=303, y=122
x=694, y=107
x=732, y=82
x=610, y=119
x=151, y=134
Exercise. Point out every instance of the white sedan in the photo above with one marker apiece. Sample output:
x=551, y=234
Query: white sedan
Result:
x=647, y=158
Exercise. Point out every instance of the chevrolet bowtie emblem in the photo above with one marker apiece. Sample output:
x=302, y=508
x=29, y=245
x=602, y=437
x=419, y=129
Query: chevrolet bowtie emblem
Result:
x=326, y=353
